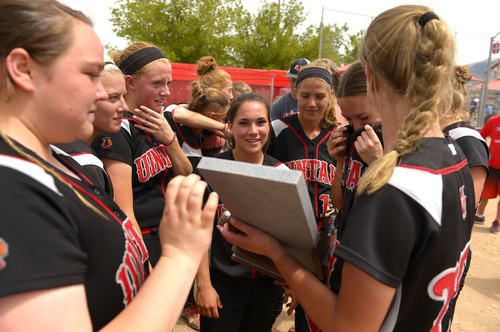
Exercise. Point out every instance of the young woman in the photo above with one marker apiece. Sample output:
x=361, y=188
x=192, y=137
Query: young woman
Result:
x=356, y=145
x=214, y=131
x=210, y=103
x=456, y=125
x=108, y=117
x=70, y=257
x=404, y=247
x=231, y=296
x=144, y=155
x=300, y=142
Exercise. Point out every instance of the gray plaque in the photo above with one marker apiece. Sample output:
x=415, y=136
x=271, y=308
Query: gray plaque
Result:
x=274, y=200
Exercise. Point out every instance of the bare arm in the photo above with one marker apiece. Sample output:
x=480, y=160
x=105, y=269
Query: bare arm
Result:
x=159, y=127
x=185, y=234
x=120, y=174
x=207, y=299
x=479, y=174
x=196, y=120
x=361, y=304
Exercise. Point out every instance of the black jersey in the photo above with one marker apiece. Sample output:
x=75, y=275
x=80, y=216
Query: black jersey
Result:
x=189, y=141
x=471, y=142
x=413, y=234
x=354, y=167
x=151, y=167
x=85, y=156
x=290, y=145
x=220, y=250
x=49, y=238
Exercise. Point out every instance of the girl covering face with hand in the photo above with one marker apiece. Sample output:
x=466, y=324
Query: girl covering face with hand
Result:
x=409, y=232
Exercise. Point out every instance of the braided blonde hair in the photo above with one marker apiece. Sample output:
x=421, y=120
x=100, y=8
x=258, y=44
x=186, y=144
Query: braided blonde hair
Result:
x=417, y=61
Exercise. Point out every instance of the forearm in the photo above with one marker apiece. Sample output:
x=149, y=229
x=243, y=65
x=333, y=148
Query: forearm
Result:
x=159, y=302
x=196, y=120
x=317, y=300
x=203, y=275
x=180, y=163
x=337, y=194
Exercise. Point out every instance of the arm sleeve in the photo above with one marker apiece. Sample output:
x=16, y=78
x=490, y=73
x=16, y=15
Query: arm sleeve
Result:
x=39, y=242
x=380, y=235
x=118, y=146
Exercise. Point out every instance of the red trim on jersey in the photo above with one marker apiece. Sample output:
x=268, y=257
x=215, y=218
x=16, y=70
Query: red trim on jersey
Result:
x=76, y=170
x=443, y=171
x=146, y=230
x=140, y=123
x=316, y=155
x=299, y=137
x=98, y=201
x=179, y=132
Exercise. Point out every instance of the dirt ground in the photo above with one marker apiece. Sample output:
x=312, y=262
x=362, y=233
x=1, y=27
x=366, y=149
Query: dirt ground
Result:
x=478, y=307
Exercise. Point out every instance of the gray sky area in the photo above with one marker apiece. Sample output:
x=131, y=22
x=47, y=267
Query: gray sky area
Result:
x=474, y=23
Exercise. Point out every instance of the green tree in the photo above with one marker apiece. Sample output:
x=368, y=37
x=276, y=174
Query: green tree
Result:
x=268, y=39
x=184, y=29
x=351, y=47
x=335, y=46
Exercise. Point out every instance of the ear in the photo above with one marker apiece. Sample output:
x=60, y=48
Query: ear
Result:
x=19, y=65
x=129, y=82
x=211, y=115
x=230, y=127
x=370, y=78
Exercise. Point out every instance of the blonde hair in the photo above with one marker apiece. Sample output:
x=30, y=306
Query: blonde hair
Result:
x=417, y=60
x=204, y=100
x=210, y=75
x=329, y=117
x=43, y=28
x=241, y=87
x=120, y=57
x=459, y=80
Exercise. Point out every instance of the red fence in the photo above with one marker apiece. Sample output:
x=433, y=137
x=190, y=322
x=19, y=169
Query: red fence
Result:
x=267, y=83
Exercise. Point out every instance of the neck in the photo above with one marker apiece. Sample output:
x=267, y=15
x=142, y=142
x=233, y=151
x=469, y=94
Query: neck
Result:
x=311, y=128
x=90, y=139
x=255, y=158
x=15, y=123
x=131, y=103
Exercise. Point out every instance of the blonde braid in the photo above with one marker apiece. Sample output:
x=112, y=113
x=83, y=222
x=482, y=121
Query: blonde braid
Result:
x=52, y=172
x=418, y=62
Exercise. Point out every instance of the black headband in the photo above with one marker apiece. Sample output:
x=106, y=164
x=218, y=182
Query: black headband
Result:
x=426, y=18
x=140, y=58
x=314, y=72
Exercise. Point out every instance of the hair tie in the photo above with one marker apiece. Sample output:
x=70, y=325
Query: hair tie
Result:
x=140, y=58
x=109, y=63
x=426, y=18
x=314, y=72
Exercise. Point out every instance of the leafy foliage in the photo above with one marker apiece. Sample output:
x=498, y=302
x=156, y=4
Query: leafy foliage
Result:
x=186, y=30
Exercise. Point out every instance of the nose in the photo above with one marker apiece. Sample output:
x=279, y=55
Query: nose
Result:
x=123, y=107
x=252, y=129
x=357, y=124
x=101, y=93
x=165, y=92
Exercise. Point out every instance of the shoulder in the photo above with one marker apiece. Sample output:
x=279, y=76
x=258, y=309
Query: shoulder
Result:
x=228, y=155
x=271, y=161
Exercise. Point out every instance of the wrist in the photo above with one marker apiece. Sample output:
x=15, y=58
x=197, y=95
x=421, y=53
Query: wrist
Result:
x=171, y=140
